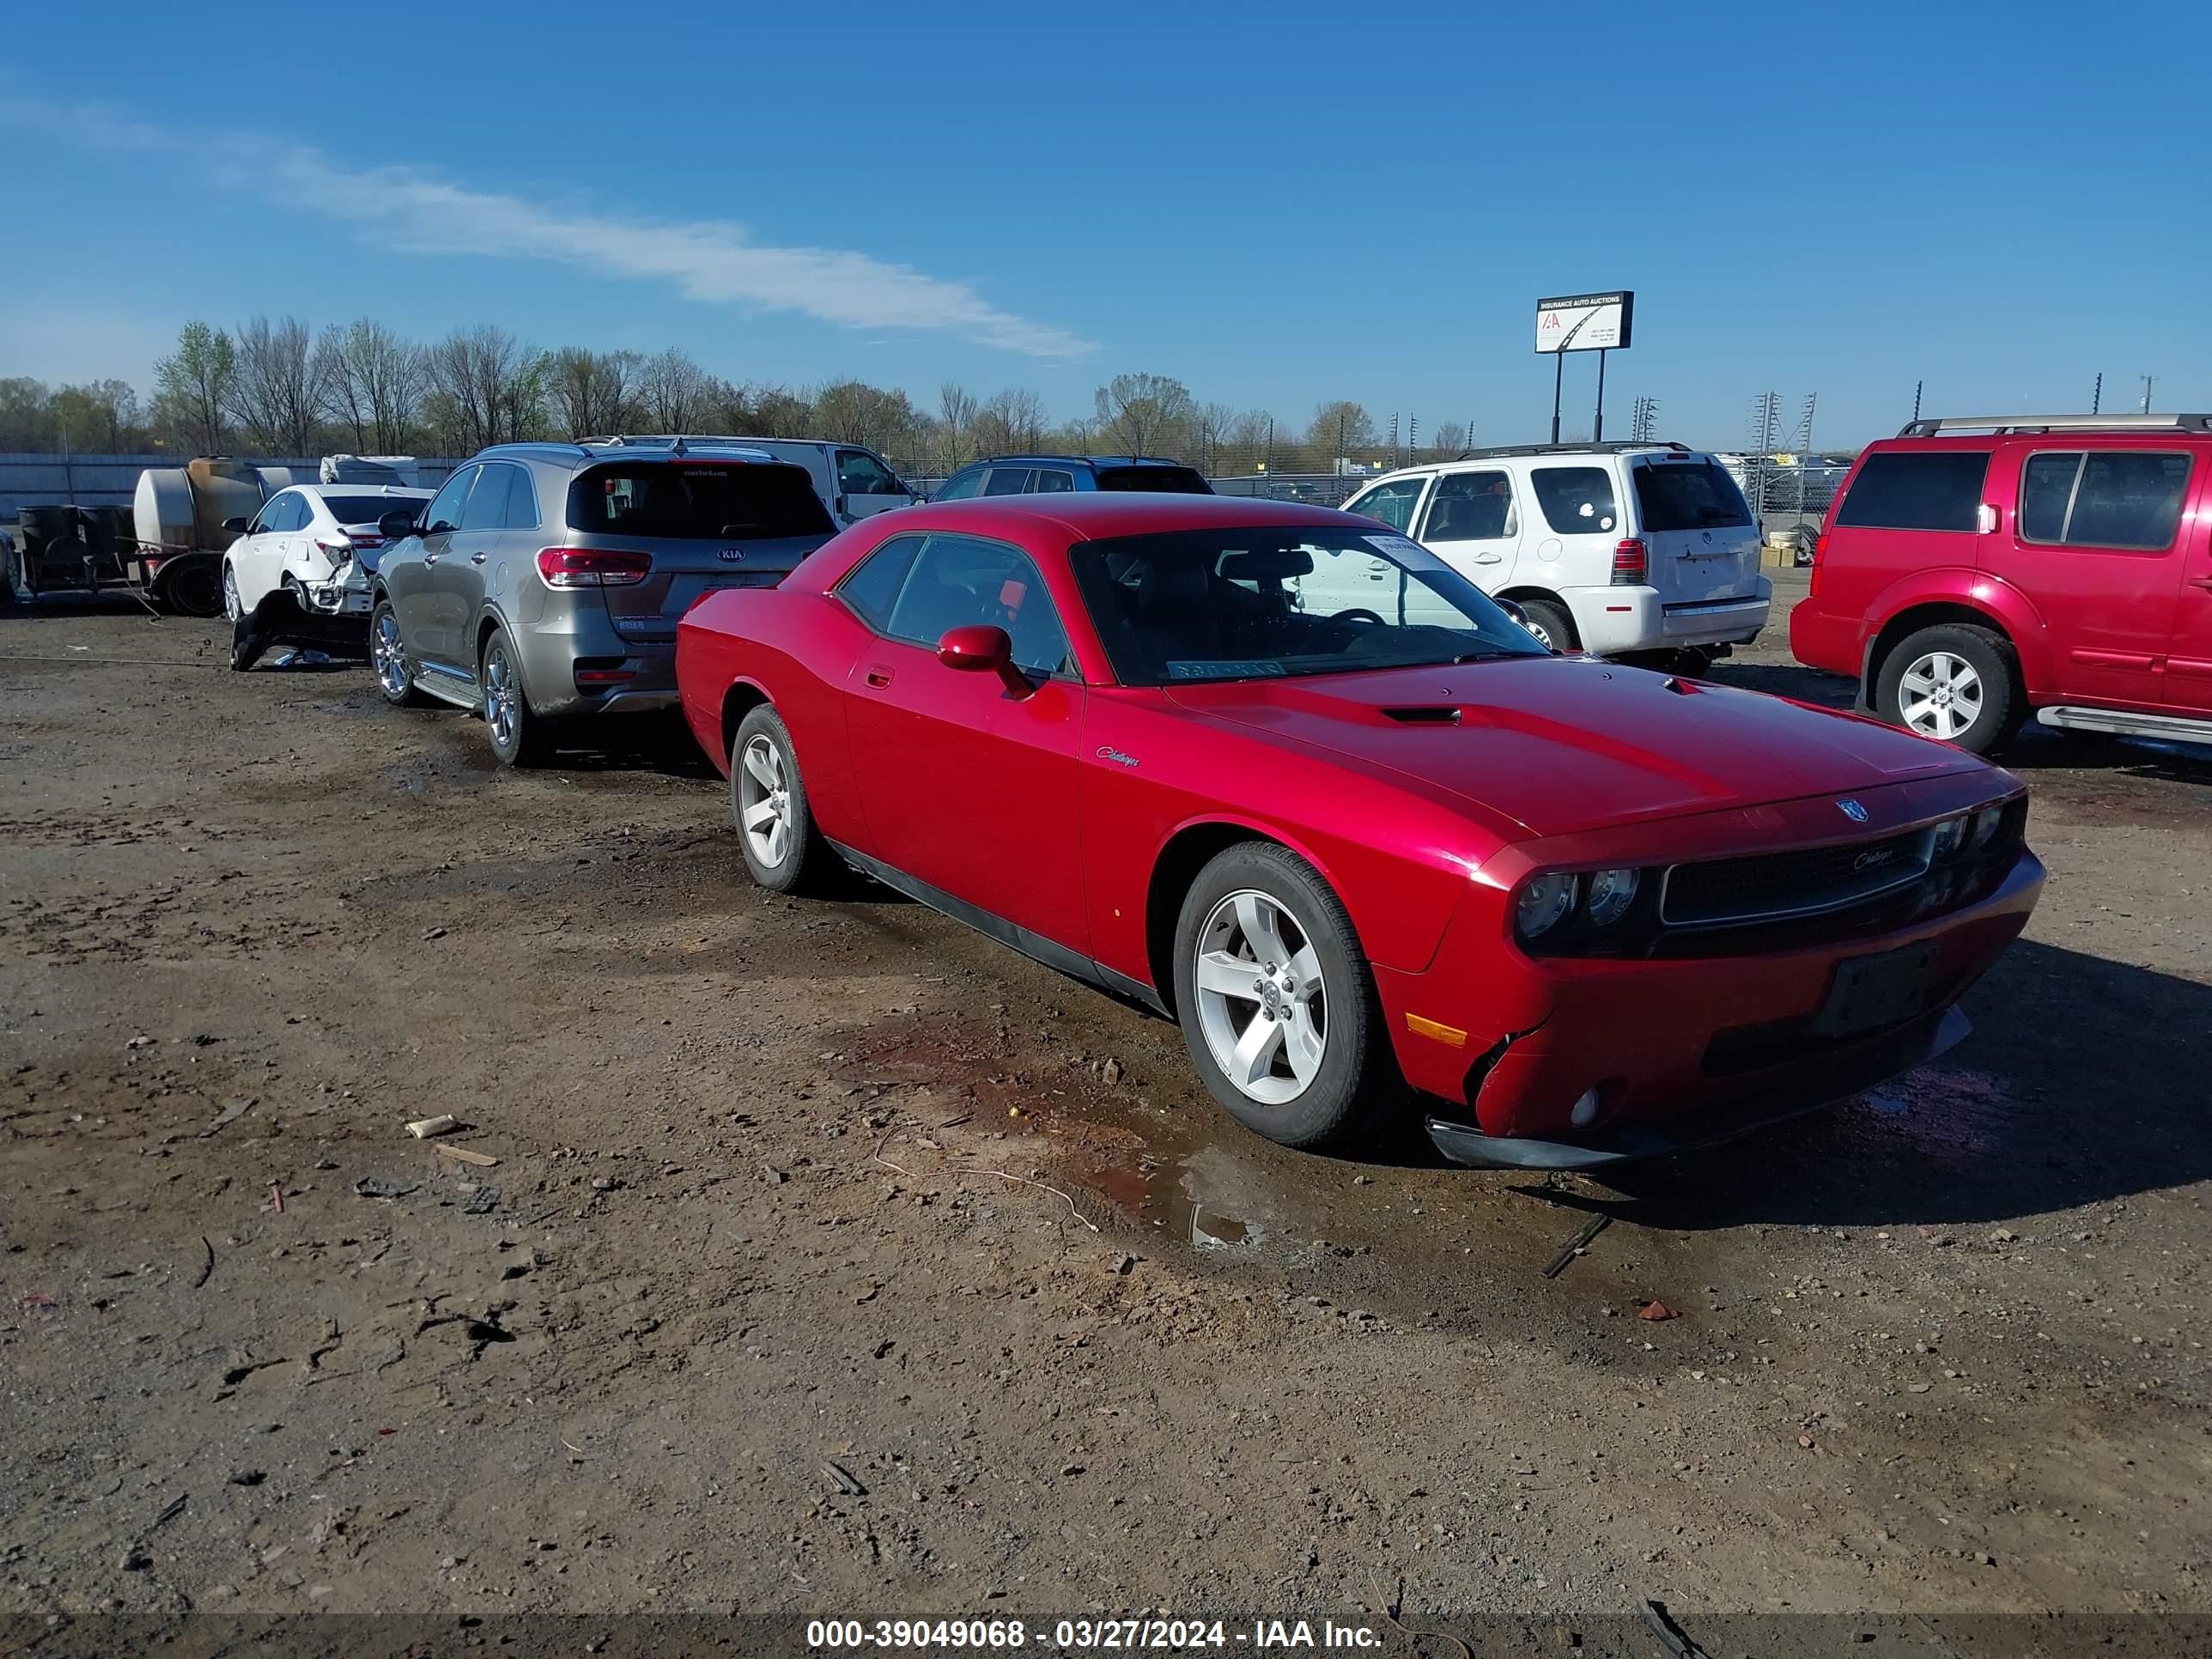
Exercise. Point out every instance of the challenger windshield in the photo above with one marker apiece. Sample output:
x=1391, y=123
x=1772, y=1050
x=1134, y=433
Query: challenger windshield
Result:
x=1281, y=600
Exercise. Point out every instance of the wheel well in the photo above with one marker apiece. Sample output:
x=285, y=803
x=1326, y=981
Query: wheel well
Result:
x=1908, y=623
x=1523, y=593
x=1181, y=860
x=739, y=700
x=485, y=630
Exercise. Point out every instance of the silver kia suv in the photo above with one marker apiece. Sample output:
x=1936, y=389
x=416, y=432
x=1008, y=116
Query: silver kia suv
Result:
x=543, y=582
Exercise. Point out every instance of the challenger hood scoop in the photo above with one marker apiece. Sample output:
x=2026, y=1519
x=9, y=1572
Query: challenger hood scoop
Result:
x=1563, y=744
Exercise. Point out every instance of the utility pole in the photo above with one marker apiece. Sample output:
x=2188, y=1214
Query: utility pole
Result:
x=1916, y=385
x=2146, y=402
x=2097, y=396
x=1413, y=436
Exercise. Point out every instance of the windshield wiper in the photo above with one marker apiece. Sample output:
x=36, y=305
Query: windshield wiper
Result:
x=1488, y=656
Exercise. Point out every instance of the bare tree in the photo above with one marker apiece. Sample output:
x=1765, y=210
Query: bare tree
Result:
x=1210, y=428
x=489, y=387
x=1448, y=439
x=1144, y=414
x=955, y=422
x=376, y=381
x=281, y=387
x=854, y=412
x=591, y=393
x=673, y=392
x=1338, y=430
x=1012, y=421
x=192, y=388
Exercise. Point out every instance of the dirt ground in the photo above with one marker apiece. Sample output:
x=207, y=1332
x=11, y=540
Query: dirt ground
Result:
x=838, y=1261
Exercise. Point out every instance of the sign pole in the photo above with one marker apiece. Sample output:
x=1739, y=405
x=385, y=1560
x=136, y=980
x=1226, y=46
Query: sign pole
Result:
x=1558, y=370
x=1597, y=428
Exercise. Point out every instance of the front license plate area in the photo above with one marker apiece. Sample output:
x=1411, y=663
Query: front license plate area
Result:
x=1871, y=992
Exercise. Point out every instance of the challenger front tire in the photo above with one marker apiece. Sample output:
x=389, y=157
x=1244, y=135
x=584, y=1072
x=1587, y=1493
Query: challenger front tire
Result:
x=1276, y=1002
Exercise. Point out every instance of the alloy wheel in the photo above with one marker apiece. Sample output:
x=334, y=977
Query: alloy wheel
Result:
x=391, y=656
x=502, y=696
x=231, y=607
x=1939, y=695
x=1536, y=629
x=764, y=802
x=1262, y=1005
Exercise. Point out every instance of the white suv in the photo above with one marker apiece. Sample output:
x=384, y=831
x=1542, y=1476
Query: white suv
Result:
x=1613, y=549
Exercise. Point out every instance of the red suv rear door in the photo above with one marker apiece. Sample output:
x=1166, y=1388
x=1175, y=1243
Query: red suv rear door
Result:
x=2188, y=658
x=2090, y=534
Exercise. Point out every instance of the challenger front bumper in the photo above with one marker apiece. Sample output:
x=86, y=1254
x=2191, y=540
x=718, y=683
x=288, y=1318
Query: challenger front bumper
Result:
x=1840, y=1077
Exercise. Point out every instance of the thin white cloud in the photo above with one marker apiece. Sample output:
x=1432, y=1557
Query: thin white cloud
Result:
x=711, y=260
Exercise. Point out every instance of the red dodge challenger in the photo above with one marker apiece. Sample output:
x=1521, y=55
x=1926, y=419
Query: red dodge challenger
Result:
x=1285, y=777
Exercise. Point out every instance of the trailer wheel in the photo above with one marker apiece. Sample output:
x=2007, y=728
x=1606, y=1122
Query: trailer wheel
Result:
x=7, y=568
x=192, y=586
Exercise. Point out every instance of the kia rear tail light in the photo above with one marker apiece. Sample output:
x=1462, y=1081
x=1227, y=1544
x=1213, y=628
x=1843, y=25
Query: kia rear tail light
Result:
x=592, y=566
x=1631, y=563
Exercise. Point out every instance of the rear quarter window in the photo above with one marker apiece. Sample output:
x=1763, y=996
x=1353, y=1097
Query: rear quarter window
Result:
x=1576, y=500
x=684, y=500
x=1923, y=490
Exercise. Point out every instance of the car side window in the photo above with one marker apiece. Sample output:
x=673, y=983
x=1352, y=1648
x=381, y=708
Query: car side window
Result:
x=521, y=500
x=1052, y=481
x=859, y=473
x=872, y=587
x=1576, y=500
x=486, y=508
x=962, y=485
x=1914, y=489
x=1471, y=506
x=1008, y=481
x=444, y=511
x=1392, y=502
x=2120, y=499
x=264, y=520
x=958, y=581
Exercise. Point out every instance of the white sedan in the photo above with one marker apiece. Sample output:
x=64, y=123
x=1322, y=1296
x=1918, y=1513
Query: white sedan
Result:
x=316, y=542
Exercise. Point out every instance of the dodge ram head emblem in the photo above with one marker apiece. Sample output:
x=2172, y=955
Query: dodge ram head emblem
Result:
x=1852, y=810
x=732, y=554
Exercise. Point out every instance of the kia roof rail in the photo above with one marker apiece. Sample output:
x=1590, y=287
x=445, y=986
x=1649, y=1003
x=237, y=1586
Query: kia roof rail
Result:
x=1998, y=425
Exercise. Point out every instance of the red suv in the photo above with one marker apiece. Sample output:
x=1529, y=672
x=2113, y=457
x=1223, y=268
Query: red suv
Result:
x=2060, y=564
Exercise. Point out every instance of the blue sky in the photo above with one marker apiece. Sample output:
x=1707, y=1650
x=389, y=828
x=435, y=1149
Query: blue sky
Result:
x=1276, y=204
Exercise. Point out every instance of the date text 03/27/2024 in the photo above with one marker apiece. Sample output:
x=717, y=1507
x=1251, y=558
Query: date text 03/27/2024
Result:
x=1124, y=1634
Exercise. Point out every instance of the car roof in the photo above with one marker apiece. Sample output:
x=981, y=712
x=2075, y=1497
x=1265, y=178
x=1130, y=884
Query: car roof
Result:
x=592, y=453
x=1082, y=460
x=1472, y=459
x=1088, y=517
x=397, y=492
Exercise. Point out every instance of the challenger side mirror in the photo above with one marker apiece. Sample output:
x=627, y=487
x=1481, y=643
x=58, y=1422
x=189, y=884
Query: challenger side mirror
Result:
x=1512, y=608
x=980, y=648
x=397, y=522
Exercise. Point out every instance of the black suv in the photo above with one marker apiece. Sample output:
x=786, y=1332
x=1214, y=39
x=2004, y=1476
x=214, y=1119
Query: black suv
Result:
x=1048, y=475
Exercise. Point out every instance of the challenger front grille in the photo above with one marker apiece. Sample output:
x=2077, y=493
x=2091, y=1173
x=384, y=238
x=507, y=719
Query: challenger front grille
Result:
x=1772, y=886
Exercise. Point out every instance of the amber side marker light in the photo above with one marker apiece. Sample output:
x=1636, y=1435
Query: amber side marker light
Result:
x=1450, y=1035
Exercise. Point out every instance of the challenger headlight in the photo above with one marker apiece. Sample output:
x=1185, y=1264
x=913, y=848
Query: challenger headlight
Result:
x=1950, y=836
x=1545, y=902
x=1610, y=894
x=1985, y=828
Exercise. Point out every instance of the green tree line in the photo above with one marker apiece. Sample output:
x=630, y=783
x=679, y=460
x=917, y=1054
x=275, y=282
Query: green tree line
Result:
x=280, y=388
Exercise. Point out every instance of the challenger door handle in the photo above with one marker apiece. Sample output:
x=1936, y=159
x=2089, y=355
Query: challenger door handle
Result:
x=880, y=676
x=475, y=558
x=2201, y=582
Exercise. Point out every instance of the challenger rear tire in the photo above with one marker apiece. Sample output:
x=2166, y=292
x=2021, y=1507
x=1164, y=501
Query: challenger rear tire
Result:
x=1276, y=1002
x=784, y=852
